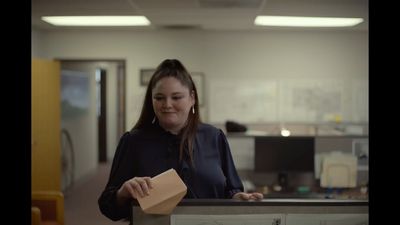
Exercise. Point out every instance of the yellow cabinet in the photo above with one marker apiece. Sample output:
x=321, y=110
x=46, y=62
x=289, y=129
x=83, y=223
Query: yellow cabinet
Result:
x=46, y=119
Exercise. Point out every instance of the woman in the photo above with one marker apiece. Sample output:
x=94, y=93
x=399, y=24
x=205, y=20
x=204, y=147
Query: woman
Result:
x=169, y=134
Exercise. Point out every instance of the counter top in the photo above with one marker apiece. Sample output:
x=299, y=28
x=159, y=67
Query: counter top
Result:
x=272, y=202
x=253, y=134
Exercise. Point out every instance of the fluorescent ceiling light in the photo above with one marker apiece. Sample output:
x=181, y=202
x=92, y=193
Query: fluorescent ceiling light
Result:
x=296, y=21
x=97, y=20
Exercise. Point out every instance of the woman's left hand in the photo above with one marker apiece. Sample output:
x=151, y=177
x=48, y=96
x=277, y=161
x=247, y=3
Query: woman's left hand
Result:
x=248, y=196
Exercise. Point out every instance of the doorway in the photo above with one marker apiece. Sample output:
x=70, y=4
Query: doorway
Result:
x=97, y=118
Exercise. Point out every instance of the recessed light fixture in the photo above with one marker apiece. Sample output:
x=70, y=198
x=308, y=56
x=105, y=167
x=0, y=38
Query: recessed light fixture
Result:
x=285, y=132
x=296, y=21
x=97, y=20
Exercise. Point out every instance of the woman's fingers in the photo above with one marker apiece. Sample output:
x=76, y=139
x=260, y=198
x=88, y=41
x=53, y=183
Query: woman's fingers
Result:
x=149, y=182
x=131, y=191
x=144, y=185
x=248, y=196
x=241, y=196
x=139, y=186
x=245, y=196
x=256, y=196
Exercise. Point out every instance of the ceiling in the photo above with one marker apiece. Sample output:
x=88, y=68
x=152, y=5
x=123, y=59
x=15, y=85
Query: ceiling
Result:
x=200, y=14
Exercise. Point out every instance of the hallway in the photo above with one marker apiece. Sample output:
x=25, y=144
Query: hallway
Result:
x=81, y=206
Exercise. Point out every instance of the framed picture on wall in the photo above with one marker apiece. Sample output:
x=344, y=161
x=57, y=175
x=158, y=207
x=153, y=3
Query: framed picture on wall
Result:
x=198, y=79
x=74, y=93
x=145, y=76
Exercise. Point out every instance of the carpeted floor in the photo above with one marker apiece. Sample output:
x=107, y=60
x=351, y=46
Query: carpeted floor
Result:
x=81, y=206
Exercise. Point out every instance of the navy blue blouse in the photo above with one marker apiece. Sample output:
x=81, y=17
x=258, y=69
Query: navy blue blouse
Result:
x=149, y=152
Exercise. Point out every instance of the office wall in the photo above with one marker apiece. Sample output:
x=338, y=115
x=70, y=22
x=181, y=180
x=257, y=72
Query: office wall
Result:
x=36, y=44
x=83, y=127
x=227, y=55
x=112, y=109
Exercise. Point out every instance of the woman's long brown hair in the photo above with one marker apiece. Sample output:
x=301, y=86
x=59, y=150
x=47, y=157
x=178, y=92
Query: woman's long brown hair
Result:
x=172, y=68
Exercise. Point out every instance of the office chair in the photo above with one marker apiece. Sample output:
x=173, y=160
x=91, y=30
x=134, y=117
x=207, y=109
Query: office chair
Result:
x=47, y=208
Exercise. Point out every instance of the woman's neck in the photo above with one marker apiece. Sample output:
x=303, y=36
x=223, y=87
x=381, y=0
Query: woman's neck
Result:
x=172, y=130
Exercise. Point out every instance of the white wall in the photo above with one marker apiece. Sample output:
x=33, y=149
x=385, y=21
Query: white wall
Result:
x=228, y=54
x=84, y=127
x=36, y=44
x=112, y=110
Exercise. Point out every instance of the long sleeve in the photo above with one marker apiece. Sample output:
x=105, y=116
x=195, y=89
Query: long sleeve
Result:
x=118, y=175
x=233, y=182
x=214, y=174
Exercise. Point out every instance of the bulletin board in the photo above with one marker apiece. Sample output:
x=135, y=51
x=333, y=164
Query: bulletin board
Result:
x=310, y=100
x=244, y=101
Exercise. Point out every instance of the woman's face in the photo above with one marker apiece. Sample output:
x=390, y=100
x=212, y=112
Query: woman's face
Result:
x=172, y=103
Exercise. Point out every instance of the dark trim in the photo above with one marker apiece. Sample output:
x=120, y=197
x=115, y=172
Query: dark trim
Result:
x=270, y=202
x=121, y=105
x=102, y=119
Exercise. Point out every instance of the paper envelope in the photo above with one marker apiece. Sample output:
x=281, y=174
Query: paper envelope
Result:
x=168, y=190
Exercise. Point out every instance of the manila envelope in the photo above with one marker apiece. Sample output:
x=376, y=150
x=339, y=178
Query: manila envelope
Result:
x=168, y=190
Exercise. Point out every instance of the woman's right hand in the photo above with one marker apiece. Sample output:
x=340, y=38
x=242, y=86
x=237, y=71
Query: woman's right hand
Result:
x=135, y=187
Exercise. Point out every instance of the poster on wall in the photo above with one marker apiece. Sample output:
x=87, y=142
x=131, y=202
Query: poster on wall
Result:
x=74, y=93
x=145, y=76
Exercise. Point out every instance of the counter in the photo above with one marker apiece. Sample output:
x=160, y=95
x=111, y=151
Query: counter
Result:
x=276, y=211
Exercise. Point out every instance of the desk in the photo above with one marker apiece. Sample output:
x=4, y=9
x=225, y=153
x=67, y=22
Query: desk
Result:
x=282, y=211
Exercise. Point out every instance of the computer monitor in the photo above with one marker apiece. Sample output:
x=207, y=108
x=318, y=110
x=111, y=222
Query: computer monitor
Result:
x=284, y=155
